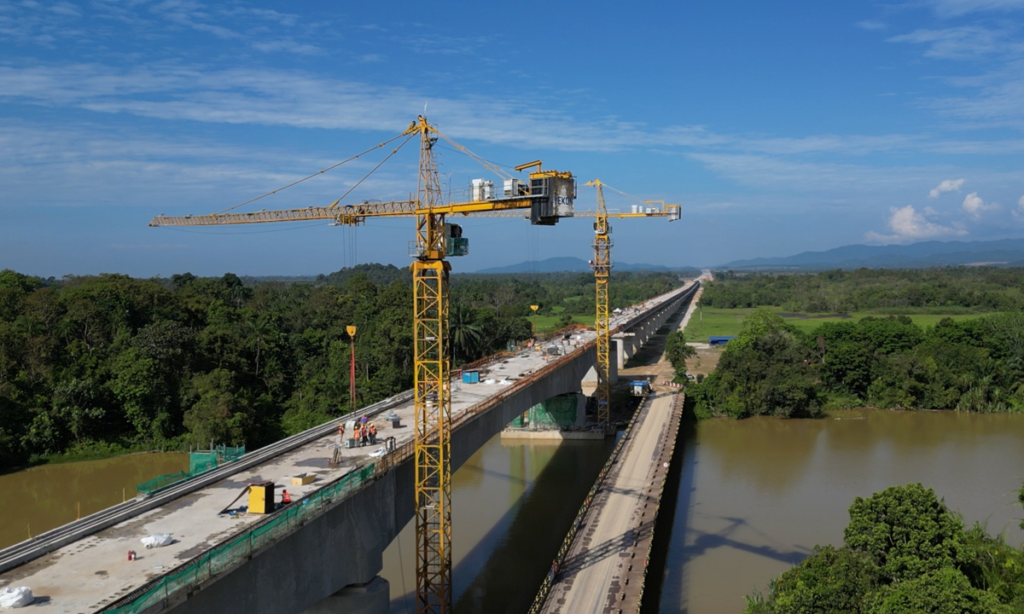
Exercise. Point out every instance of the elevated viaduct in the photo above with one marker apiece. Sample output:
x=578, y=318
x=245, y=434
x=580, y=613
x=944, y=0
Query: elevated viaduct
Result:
x=323, y=552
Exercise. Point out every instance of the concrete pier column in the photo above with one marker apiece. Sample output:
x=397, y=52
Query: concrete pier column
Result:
x=613, y=368
x=581, y=410
x=374, y=597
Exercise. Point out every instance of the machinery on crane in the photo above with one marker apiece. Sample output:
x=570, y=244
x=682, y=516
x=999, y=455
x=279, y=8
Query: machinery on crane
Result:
x=549, y=196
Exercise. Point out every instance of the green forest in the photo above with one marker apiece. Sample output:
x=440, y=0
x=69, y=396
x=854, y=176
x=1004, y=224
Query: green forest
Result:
x=949, y=290
x=903, y=551
x=774, y=367
x=101, y=364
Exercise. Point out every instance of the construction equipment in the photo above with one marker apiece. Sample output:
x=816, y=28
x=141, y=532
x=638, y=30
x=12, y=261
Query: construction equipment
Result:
x=549, y=196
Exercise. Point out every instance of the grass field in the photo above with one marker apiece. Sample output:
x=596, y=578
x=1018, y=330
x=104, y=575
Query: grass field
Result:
x=728, y=322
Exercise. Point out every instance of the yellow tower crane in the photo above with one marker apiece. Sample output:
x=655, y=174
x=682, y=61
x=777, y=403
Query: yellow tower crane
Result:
x=602, y=273
x=549, y=196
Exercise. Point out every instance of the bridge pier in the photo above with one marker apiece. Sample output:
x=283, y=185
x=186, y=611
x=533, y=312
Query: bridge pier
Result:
x=372, y=597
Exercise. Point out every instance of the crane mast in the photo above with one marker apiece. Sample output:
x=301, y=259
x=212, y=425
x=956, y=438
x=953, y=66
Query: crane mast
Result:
x=602, y=272
x=432, y=391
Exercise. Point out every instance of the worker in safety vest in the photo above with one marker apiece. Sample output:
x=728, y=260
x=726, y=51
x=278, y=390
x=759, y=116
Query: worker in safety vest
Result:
x=285, y=497
x=373, y=433
x=341, y=433
x=356, y=434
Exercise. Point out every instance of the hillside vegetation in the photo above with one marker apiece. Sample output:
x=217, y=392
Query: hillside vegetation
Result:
x=108, y=363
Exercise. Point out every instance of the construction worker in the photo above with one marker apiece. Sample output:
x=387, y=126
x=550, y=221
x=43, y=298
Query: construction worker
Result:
x=366, y=434
x=341, y=433
x=285, y=497
x=357, y=434
x=373, y=434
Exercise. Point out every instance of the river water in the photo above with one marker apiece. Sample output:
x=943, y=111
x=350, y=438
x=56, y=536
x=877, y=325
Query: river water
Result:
x=45, y=497
x=756, y=495
x=753, y=498
x=512, y=504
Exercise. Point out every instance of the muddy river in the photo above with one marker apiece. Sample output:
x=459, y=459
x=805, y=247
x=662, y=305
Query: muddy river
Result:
x=753, y=498
x=45, y=497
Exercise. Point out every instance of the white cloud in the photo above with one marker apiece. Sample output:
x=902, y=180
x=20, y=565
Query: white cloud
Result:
x=959, y=43
x=947, y=185
x=1020, y=203
x=999, y=101
x=908, y=225
x=871, y=25
x=954, y=8
x=974, y=205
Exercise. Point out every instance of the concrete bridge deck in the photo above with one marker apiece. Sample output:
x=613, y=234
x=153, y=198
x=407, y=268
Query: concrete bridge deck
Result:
x=91, y=571
x=605, y=566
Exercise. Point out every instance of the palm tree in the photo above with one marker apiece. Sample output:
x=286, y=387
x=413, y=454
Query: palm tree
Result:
x=464, y=334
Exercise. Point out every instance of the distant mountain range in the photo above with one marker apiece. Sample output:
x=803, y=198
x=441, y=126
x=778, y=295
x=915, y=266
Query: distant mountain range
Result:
x=573, y=265
x=1004, y=252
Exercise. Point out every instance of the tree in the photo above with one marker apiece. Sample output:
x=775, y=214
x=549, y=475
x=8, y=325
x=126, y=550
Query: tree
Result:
x=465, y=335
x=906, y=531
x=218, y=413
x=767, y=373
x=940, y=591
x=677, y=351
x=830, y=581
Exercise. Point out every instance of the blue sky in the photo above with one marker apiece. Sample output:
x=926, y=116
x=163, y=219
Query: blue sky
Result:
x=778, y=126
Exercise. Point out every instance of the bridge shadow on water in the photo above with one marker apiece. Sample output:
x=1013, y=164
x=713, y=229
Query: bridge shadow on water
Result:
x=504, y=569
x=677, y=543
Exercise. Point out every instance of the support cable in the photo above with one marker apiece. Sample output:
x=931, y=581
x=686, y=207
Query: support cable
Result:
x=316, y=174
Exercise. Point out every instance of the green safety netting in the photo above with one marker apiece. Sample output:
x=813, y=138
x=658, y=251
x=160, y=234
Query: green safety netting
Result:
x=205, y=566
x=201, y=462
x=198, y=462
x=161, y=481
x=227, y=454
x=555, y=413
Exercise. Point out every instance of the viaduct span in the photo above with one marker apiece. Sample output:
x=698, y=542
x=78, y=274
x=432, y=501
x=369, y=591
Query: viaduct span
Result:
x=323, y=552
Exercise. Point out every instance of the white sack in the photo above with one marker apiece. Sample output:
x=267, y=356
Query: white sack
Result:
x=16, y=597
x=156, y=541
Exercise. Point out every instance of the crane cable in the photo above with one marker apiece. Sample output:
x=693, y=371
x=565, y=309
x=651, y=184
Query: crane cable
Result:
x=320, y=172
x=374, y=169
x=639, y=200
x=478, y=159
